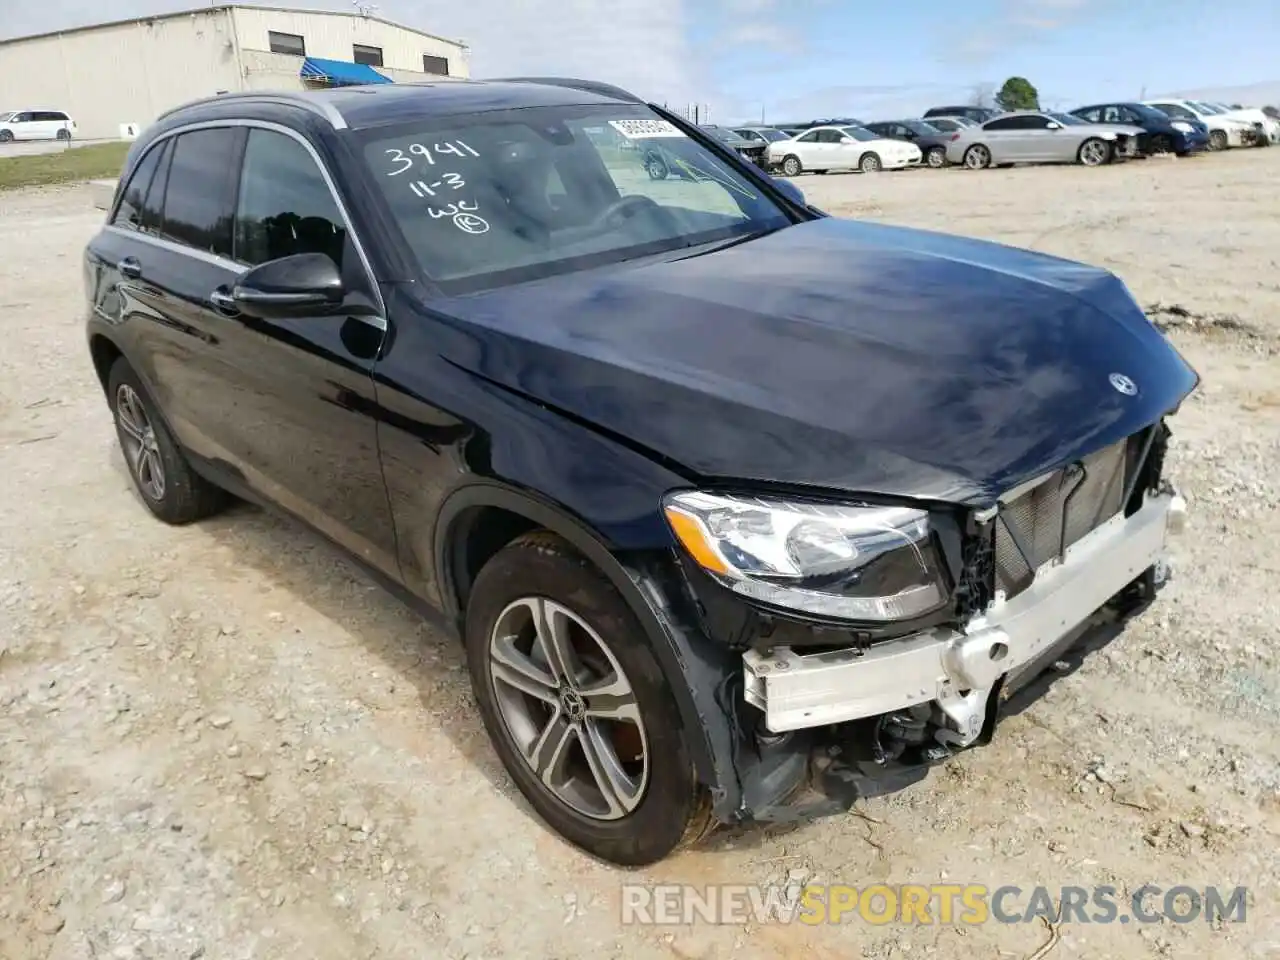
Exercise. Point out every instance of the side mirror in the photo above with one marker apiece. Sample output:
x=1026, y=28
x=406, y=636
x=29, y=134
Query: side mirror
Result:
x=794, y=193
x=1054, y=126
x=290, y=286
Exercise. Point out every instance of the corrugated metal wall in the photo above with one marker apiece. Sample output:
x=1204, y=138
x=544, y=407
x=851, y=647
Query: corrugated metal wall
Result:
x=133, y=72
x=333, y=36
x=128, y=73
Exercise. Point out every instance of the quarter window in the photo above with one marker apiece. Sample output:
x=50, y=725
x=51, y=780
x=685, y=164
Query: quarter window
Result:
x=289, y=43
x=285, y=206
x=370, y=56
x=198, y=206
x=129, y=212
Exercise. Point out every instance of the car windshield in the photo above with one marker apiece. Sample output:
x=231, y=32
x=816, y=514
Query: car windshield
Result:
x=922, y=127
x=773, y=136
x=1205, y=107
x=1066, y=119
x=860, y=133
x=508, y=196
x=6, y=115
x=720, y=133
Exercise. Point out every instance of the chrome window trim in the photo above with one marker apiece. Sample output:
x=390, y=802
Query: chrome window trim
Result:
x=379, y=321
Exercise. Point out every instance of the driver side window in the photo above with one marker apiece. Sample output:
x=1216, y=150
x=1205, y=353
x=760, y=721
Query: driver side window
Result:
x=810, y=137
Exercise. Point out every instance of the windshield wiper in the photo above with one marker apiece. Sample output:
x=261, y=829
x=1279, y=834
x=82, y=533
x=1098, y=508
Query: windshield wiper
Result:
x=731, y=242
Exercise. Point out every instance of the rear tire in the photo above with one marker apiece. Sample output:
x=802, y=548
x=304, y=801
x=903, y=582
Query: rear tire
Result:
x=64, y=134
x=539, y=586
x=172, y=491
x=791, y=166
x=936, y=157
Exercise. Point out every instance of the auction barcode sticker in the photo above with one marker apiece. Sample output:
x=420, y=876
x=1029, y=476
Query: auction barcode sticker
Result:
x=644, y=129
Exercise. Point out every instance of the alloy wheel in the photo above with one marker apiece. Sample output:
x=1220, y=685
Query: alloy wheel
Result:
x=139, y=441
x=977, y=157
x=1093, y=153
x=1218, y=140
x=870, y=164
x=569, y=708
x=937, y=157
x=791, y=167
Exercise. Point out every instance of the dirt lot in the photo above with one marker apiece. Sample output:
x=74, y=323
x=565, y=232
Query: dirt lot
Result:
x=222, y=741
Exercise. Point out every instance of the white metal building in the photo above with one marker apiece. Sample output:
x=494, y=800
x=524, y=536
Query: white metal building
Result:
x=116, y=76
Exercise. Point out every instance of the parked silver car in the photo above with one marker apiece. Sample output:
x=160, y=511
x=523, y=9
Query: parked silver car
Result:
x=1041, y=137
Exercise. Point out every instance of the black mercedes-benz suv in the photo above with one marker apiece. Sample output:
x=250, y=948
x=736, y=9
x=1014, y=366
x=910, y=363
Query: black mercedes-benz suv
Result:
x=709, y=483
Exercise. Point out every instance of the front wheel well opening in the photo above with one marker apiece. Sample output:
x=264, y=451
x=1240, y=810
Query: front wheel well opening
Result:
x=104, y=354
x=475, y=538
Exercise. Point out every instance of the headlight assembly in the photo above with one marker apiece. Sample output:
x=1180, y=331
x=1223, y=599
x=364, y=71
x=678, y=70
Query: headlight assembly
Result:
x=826, y=559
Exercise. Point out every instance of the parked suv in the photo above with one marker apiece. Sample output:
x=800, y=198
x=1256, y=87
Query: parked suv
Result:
x=35, y=125
x=708, y=482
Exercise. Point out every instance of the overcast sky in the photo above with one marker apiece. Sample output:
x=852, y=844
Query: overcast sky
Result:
x=796, y=59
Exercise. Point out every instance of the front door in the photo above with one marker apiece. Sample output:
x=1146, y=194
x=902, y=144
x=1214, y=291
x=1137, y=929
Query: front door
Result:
x=284, y=408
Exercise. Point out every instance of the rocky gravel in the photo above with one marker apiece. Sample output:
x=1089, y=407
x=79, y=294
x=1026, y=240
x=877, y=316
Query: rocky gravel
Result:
x=222, y=741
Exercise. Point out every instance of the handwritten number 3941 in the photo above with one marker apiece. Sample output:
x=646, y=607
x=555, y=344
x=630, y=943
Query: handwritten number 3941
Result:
x=456, y=148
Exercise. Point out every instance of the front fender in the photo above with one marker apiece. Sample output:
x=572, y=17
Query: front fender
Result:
x=695, y=666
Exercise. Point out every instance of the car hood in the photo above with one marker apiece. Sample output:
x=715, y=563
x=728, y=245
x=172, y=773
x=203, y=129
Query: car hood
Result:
x=836, y=354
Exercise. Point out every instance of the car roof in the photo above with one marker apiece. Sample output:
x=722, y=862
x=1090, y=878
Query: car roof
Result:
x=362, y=107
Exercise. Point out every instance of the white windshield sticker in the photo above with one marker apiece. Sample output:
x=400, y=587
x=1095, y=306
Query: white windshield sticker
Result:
x=645, y=129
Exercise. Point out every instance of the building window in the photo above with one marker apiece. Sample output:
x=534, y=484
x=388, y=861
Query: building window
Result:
x=437, y=65
x=287, y=43
x=371, y=56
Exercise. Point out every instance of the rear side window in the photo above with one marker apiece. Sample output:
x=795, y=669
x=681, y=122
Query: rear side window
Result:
x=286, y=206
x=130, y=212
x=198, y=206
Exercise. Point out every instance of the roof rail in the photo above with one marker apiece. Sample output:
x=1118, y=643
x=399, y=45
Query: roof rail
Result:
x=318, y=106
x=589, y=86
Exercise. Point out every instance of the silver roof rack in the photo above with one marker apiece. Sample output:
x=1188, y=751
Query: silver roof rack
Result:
x=317, y=105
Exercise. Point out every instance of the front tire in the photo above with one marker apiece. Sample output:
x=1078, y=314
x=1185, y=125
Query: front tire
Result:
x=172, y=491
x=870, y=163
x=1218, y=140
x=1161, y=144
x=6, y=136
x=656, y=167
x=791, y=166
x=1094, y=152
x=577, y=707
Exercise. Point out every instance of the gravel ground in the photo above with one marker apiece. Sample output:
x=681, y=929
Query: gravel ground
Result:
x=222, y=741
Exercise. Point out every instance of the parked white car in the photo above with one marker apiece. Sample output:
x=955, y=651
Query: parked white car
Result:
x=1270, y=126
x=35, y=125
x=841, y=148
x=1224, y=131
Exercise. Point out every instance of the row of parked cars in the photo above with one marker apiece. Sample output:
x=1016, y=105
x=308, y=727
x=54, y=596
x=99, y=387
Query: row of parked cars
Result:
x=978, y=137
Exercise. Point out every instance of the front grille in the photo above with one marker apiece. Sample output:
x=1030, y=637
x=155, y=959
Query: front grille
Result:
x=1043, y=522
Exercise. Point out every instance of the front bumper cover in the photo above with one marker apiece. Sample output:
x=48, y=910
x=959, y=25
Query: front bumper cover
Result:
x=957, y=671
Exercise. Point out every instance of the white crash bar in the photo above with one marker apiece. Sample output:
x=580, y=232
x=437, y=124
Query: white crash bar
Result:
x=797, y=691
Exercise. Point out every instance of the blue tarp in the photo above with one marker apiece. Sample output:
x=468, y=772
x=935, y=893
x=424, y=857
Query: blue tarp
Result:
x=340, y=73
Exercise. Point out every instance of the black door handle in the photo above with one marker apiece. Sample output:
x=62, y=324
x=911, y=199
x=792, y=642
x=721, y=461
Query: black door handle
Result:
x=130, y=267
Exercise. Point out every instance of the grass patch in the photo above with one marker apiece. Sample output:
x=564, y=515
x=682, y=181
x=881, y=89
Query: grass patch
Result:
x=95, y=162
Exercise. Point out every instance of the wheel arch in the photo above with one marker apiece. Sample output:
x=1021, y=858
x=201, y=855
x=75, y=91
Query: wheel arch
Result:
x=478, y=520
x=104, y=352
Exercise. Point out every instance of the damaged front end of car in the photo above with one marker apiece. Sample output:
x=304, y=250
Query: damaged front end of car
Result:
x=952, y=612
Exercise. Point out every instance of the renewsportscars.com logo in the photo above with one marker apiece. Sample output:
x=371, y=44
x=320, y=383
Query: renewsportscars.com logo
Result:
x=919, y=904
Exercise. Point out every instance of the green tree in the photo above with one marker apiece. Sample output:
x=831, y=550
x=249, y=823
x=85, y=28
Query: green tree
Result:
x=1018, y=94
